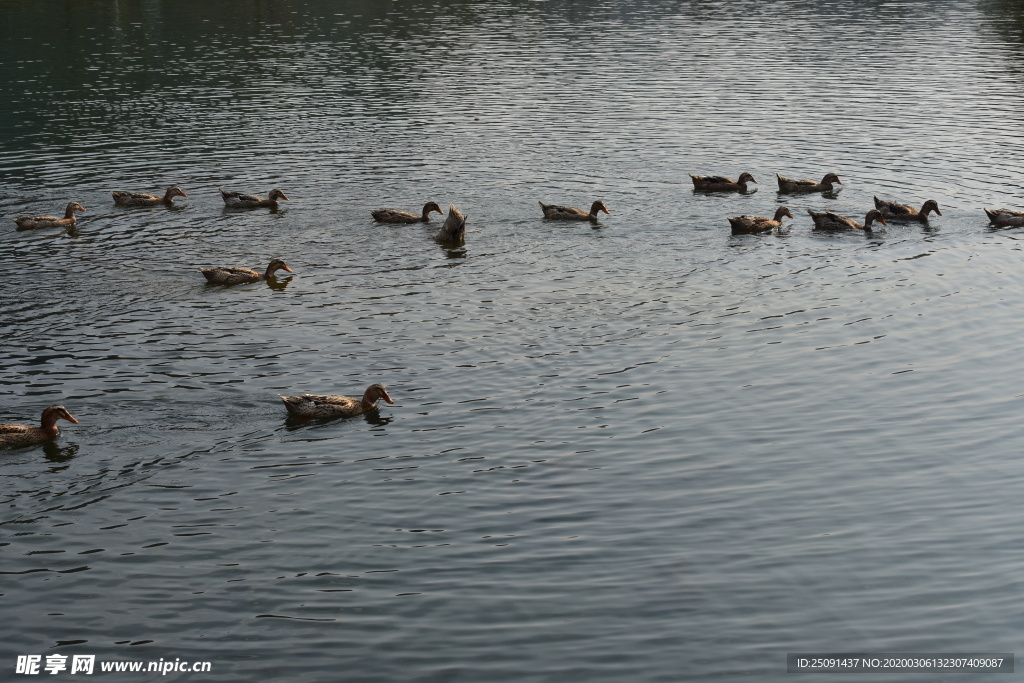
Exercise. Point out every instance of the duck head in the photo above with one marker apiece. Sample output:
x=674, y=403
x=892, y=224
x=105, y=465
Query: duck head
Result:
x=374, y=393
x=276, y=265
x=782, y=211
x=56, y=412
x=873, y=215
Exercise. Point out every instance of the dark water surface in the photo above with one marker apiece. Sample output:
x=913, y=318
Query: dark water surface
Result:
x=644, y=450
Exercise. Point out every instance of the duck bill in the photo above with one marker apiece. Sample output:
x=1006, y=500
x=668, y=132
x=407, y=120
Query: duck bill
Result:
x=384, y=395
x=283, y=196
x=71, y=418
x=287, y=268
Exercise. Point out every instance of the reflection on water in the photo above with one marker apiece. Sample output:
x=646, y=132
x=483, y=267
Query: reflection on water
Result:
x=644, y=449
x=59, y=453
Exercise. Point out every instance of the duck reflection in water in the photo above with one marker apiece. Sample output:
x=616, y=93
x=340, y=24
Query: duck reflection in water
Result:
x=372, y=417
x=279, y=284
x=57, y=453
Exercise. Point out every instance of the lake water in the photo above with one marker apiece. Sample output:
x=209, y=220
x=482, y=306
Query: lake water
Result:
x=641, y=450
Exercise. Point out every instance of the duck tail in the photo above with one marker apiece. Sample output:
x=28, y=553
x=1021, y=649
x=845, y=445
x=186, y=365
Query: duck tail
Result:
x=291, y=403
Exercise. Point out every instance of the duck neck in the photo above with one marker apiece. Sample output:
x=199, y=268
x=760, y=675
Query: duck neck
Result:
x=368, y=401
x=168, y=197
x=49, y=424
x=69, y=213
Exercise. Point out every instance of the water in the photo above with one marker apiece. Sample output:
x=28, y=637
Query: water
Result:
x=641, y=450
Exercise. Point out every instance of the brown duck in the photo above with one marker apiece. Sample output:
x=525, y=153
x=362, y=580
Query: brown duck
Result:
x=454, y=228
x=749, y=224
x=829, y=220
x=572, y=213
x=902, y=212
x=396, y=216
x=330, y=405
x=234, y=275
x=717, y=183
x=805, y=185
x=1005, y=216
x=237, y=200
x=15, y=435
x=32, y=222
x=143, y=199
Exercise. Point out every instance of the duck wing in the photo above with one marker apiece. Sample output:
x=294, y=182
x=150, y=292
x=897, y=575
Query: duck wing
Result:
x=11, y=429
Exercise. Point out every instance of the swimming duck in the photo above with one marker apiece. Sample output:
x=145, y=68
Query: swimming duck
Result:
x=1005, y=216
x=233, y=275
x=237, y=200
x=143, y=199
x=902, y=212
x=571, y=213
x=747, y=224
x=828, y=220
x=32, y=222
x=327, y=405
x=717, y=183
x=15, y=435
x=805, y=185
x=454, y=228
x=396, y=216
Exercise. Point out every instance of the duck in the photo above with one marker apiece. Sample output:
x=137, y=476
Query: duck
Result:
x=748, y=224
x=717, y=183
x=15, y=435
x=32, y=222
x=143, y=199
x=454, y=228
x=396, y=216
x=572, y=213
x=233, y=275
x=237, y=200
x=1005, y=216
x=829, y=220
x=805, y=185
x=903, y=212
x=329, y=405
